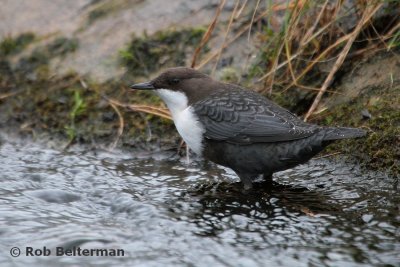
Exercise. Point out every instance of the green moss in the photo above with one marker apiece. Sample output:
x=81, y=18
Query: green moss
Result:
x=37, y=61
x=102, y=10
x=10, y=45
x=229, y=75
x=61, y=107
x=145, y=55
x=96, y=14
x=78, y=108
x=62, y=46
x=381, y=148
x=395, y=41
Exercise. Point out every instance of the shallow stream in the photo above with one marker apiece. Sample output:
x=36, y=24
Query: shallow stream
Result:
x=163, y=211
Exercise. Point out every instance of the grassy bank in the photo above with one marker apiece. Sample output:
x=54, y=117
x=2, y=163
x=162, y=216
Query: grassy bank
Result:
x=72, y=108
x=306, y=53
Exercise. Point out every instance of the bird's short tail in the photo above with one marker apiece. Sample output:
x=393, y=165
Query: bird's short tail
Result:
x=336, y=133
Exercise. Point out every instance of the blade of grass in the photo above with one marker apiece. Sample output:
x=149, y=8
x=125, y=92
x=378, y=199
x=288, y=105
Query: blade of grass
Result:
x=121, y=125
x=245, y=28
x=291, y=20
x=252, y=20
x=157, y=111
x=240, y=32
x=4, y=96
x=368, y=13
x=241, y=9
x=225, y=36
x=298, y=53
x=318, y=59
x=208, y=33
x=289, y=30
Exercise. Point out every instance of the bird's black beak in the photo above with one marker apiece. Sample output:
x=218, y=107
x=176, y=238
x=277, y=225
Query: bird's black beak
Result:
x=143, y=86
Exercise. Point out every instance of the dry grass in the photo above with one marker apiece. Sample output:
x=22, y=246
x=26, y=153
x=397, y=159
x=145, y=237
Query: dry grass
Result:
x=233, y=15
x=293, y=45
x=6, y=95
x=367, y=14
x=309, y=36
x=208, y=33
x=116, y=105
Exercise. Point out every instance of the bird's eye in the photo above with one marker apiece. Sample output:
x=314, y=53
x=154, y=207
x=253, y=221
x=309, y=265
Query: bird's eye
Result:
x=174, y=81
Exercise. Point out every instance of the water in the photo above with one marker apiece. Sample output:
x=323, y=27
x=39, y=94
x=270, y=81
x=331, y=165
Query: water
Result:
x=164, y=212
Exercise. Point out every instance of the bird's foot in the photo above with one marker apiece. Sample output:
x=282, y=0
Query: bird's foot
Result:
x=247, y=185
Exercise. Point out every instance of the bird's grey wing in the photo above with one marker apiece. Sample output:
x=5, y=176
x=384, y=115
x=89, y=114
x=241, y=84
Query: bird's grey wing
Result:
x=244, y=117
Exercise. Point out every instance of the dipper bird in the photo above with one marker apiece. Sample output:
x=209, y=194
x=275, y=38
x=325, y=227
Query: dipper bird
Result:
x=239, y=128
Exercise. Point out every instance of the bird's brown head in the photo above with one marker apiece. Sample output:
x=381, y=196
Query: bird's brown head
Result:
x=192, y=83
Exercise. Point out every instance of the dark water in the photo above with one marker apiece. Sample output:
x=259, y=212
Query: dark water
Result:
x=164, y=212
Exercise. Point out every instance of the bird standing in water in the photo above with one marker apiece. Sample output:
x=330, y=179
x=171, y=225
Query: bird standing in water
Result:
x=239, y=128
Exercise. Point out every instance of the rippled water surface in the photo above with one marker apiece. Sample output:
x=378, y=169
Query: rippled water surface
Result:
x=164, y=212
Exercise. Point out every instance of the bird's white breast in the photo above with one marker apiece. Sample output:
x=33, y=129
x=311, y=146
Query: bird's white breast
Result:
x=185, y=119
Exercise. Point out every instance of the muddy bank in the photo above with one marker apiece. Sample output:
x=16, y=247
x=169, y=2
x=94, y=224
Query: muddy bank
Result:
x=102, y=27
x=64, y=83
x=368, y=96
x=72, y=108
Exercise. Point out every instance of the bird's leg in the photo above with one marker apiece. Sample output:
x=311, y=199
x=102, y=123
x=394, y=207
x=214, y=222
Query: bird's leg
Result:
x=246, y=179
x=268, y=180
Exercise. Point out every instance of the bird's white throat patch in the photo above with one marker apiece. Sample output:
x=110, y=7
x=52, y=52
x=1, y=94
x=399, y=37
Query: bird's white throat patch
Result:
x=186, y=121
